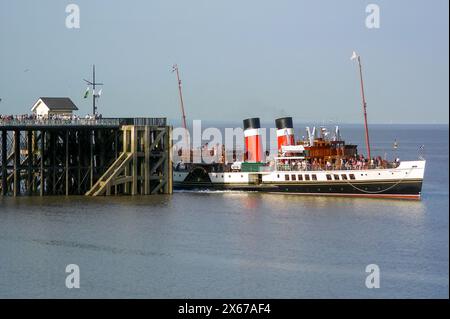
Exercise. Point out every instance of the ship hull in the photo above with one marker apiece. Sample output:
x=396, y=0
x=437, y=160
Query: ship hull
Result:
x=403, y=182
x=394, y=189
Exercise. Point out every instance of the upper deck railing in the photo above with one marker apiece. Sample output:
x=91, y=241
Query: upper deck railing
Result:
x=69, y=122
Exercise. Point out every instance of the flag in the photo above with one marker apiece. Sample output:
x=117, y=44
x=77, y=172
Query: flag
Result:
x=86, y=94
x=354, y=56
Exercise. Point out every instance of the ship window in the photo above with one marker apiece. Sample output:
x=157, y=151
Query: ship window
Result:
x=300, y=177
x=329, y=177
x=306, y=177
x=352, y=176
x=278, y=175
x=293, y=177
x=286, y=177
x=314, y=177
x=344, y=177
x=336, y=177
x=222, y=176
x=242, y=175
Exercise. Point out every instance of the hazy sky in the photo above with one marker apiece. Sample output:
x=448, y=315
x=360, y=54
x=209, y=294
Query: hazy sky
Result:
x=237, y=59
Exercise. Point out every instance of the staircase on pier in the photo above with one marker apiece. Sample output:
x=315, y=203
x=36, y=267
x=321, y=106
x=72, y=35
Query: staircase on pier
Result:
x=144, y=165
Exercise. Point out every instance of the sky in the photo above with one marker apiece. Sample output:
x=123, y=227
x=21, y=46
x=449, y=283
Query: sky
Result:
x=237, y=59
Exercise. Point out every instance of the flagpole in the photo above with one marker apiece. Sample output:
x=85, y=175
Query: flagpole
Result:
x=93, y=84
x=364, y=104
x=94, y=108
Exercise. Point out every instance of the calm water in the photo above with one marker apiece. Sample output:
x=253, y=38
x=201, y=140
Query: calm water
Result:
x=237, y=245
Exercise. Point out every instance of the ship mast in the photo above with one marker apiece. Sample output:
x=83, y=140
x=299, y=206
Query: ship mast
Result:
x=175, y=69
x=364, y=104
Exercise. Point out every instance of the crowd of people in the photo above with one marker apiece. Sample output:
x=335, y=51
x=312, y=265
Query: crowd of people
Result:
x=357, y=162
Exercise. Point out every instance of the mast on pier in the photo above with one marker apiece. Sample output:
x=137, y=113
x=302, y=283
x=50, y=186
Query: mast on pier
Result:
x=95, y=96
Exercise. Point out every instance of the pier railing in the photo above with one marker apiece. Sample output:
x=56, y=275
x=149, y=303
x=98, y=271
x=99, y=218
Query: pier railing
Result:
x=59, y=122
x=113, y=122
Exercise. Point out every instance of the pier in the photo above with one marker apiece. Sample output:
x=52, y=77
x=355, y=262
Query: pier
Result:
x=109, y=156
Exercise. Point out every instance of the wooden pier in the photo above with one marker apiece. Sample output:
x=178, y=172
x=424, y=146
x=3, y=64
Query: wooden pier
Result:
x=85, y=157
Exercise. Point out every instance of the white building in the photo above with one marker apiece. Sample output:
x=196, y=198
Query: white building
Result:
x=47, y=106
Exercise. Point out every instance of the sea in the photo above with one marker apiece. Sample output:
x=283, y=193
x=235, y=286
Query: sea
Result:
x=237, y=244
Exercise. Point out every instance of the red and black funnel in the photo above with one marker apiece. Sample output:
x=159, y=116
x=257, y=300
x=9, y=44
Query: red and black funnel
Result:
x=253, y=145
x=285, y=131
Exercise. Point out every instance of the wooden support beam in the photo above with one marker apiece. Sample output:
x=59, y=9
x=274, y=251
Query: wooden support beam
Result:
x=4, y=162
x=134, y=166
x=169, y=166
x=30, y=176
x=42, y=187
x=17, y=166
x=66, y=142
x=147, y=161
x=127, y=148
x=91, y=160
x=53, y=160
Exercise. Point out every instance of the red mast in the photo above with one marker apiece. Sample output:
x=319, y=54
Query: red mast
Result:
x=364, y=104
x=185, y=156
x=175, y=69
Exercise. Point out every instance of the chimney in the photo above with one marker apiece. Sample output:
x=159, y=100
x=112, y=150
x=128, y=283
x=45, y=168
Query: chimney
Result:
x=285, y=132
x=253, y=144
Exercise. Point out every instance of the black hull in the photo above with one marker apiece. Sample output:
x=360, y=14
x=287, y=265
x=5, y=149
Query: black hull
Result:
x=392, y=189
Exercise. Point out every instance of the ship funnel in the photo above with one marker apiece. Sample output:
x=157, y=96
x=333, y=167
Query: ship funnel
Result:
x=285, y=132
x=253, y=144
